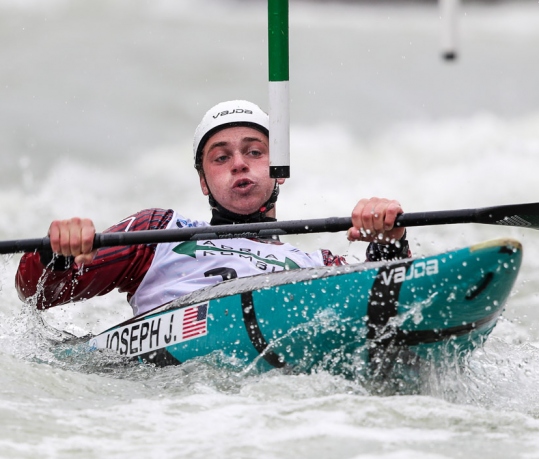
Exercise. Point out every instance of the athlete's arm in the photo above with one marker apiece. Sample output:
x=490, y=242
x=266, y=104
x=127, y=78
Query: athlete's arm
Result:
x=59, y=280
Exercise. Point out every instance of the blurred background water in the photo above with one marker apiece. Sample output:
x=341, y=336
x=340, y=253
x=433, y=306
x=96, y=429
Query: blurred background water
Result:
x=98, y=104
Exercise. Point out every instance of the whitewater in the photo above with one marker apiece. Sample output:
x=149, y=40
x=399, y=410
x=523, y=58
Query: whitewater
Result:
x=98, y=105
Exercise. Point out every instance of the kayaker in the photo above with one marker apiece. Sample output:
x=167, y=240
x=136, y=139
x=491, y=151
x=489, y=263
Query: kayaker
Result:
x=231, y=155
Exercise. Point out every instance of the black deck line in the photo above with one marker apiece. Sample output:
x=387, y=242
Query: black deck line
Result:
x=382, y=303
x=415, y=337
x=159, y=357
x=477, y=289
x=254, y=332
x=381, y=307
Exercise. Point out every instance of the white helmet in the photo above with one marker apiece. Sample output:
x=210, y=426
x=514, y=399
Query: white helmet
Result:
x=228, y=114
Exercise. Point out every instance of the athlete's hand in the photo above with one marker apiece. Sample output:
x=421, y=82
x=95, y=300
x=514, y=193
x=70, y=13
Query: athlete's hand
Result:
x=374, y=219
x=73, y=237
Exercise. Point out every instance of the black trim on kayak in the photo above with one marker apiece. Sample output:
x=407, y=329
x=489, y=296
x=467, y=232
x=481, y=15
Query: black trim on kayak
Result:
x=507, y=249
x=482, y=285
x=160, y=357
x=416, y=337
x=382, y=304
x=381, y=307
x=254, y=332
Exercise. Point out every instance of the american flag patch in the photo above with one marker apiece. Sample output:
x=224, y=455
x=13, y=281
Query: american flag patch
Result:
x=195, y=321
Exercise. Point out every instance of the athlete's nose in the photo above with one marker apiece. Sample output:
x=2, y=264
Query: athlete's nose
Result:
x=239, y=164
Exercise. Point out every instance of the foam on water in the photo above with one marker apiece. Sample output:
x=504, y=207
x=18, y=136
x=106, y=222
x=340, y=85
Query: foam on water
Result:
x=306, y=414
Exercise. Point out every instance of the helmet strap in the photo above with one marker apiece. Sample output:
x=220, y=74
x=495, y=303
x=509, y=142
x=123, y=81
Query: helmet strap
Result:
x=222, y=216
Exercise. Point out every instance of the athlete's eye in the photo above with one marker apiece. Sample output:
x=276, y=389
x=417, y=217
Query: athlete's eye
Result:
x=220, y=158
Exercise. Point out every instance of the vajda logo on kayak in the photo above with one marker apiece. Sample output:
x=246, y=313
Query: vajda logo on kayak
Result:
x=417, y=270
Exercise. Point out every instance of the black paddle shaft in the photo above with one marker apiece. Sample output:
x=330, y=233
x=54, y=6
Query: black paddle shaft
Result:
x=520, y=215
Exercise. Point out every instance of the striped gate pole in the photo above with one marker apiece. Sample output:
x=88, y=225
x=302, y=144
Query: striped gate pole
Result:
x=279, y=98
x=449, y=10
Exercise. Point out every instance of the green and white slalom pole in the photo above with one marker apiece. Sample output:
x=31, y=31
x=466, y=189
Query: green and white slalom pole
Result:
x=279, y=94
x=449, y=11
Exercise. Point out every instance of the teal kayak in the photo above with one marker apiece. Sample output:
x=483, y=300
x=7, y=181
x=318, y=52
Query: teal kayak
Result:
x=363, y=319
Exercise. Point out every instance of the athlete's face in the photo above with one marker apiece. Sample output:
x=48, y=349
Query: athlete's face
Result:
x=236, y=169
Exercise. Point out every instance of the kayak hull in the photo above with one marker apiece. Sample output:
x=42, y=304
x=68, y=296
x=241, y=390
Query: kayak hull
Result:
x=358, y=320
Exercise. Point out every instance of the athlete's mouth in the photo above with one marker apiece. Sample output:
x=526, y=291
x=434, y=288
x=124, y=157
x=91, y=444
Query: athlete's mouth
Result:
x=243, y=183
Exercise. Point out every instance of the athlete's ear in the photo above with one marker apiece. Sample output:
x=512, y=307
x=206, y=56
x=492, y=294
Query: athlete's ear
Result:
x=280, y=181
x=203, y=184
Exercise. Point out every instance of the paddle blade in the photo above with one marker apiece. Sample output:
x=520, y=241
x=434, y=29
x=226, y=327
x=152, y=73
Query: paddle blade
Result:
x=523, y=215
